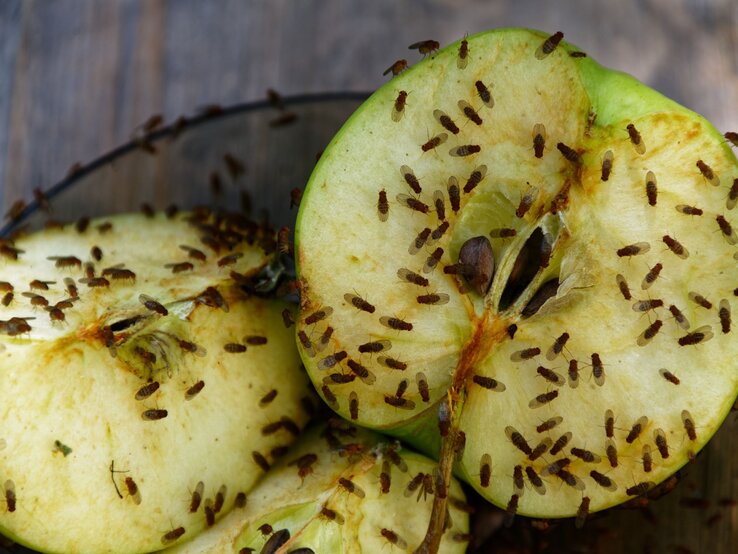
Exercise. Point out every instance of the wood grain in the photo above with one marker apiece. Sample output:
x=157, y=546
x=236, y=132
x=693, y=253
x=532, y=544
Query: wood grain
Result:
x=77, y=77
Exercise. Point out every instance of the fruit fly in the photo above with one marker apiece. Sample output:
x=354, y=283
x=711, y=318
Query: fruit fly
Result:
x=433, y=259
x=475, y=178
x=396, y=68
x=418, y=243
x=382, y=205
x=557, y=346
x=147, y=390
x=133, y=491
x=649, y=333
x=573, y=374
x=194, y=390
x=651, y=188
x=435, y=299
x=398, y=109
x=582, y=512
x=560, y=443
x=635, y=139
x=413, y=203
x=425, y=46
x=526, y=202
x=700, y=335
x=518, y=440
x=422, y=384
x=409, y=176
x=153, y=415
x=612, y=453
x=454, y=195
x=440, y=205
x=636, y=430
x=470, y=113
x=485, y=470
x=434, y=142
x=10, y=498
x=375, y=346
x=234, y=348
x=635, y=249
x=700, y=300
x=623, y=286
x=318, y=315
x=569, y=153
x=549, y=45
x=726, y=228
x=465, y=150
x=688, y=210
x=549, y=424
x=152, y=305
x=724, y=314
x=393, y=538
x=63, y=262
x=646, y=459
x=543, y=399
x=196, y=497
x=295, y=197
x=602, y=480
x=651, y=276
x=609, y=424
x=260, y=460
x=550, y=375
x=392, y=363
x=660, y=439
x=362, y=372
x=354, y=405
x=463, y=58
x=484, y=94
x=688, y=422
x=488, y=383
x=669, y=376
x=525, y=354
x=708, y=173
x=732, y=195
x=331, y=360
x=359, y=303
x=539, y=139
x=639, y=489
x=446, y=122
x=646, y=305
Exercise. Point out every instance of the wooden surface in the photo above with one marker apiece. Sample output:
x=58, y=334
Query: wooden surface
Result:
x=76, y=77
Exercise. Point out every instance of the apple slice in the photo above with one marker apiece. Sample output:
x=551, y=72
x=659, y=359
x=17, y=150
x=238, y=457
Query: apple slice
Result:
x=510, y=241
x=340, y=489
x=136, y=377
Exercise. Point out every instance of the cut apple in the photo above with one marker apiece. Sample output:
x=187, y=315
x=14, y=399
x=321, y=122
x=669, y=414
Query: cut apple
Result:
x=537, y=252
x=136, y=377
x=340, y=489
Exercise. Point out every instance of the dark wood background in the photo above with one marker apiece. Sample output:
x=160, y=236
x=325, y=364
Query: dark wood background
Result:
x=76, y=77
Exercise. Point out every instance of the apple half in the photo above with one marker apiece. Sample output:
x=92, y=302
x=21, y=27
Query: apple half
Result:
x=340, y=489
x=143, y=392
x=512, y=242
